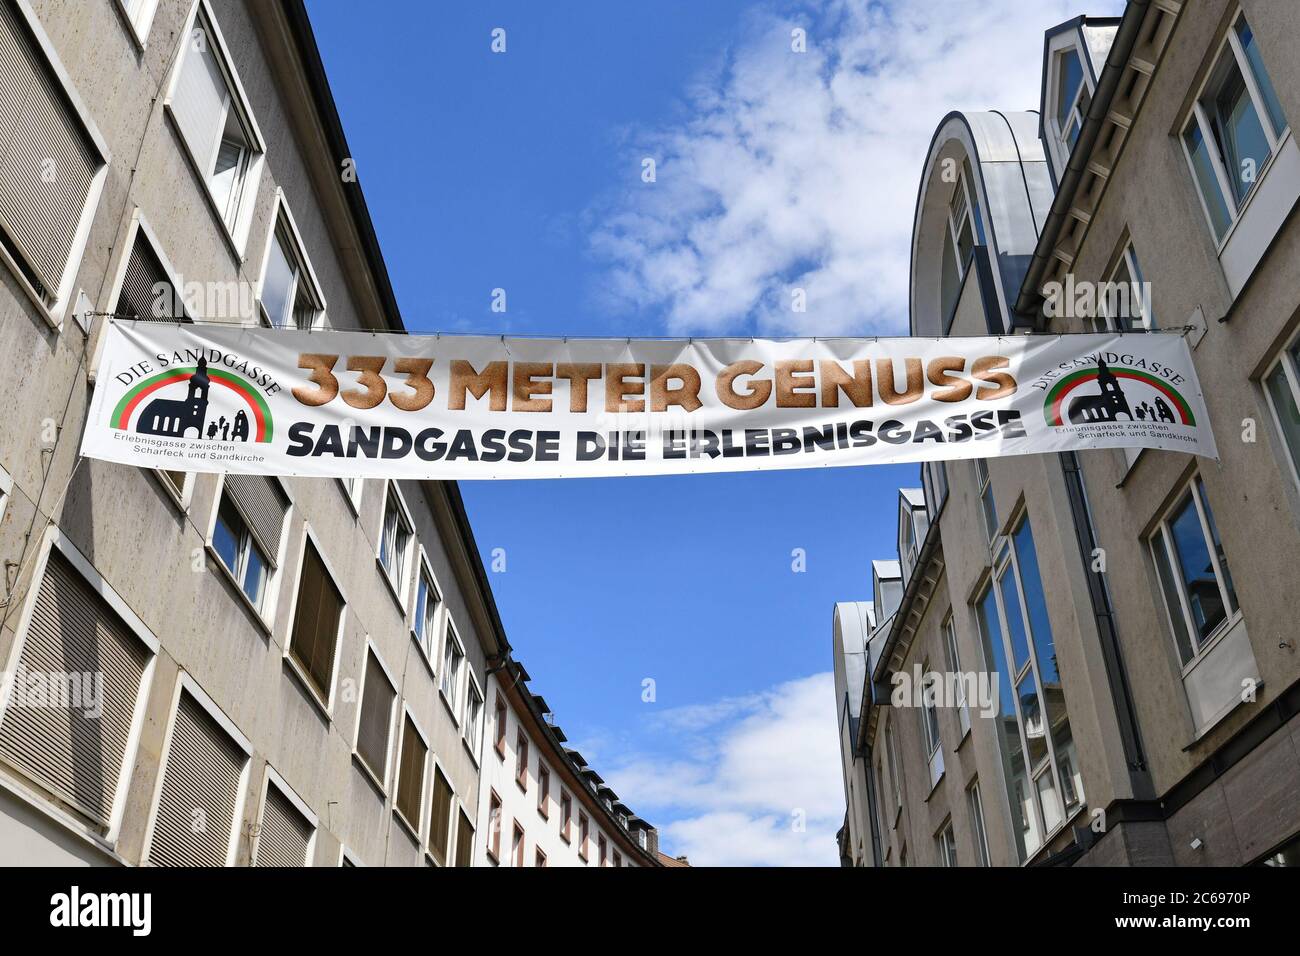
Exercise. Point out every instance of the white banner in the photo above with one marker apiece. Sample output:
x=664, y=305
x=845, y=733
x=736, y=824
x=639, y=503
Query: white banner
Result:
x=223, y=398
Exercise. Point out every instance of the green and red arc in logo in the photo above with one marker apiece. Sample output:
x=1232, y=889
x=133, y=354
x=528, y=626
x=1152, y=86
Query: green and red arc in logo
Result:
x=1054, y=403
x=261, y=414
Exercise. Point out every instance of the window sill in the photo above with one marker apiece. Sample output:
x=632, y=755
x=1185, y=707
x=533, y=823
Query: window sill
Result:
x=178, y=498
x=500, y=748
x=53, y=320
x=299, y=675
x=1219, y=718
x=224, y=574
x=61, y=817
x=133, y=31
x=566, y=838
x=965, y=736
x=492, y=857
x=360, y=762
x=522, y=785
x=353, y=505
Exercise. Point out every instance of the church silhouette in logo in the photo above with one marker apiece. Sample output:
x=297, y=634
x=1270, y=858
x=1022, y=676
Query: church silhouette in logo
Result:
x=1108, y=406
x=177, y=418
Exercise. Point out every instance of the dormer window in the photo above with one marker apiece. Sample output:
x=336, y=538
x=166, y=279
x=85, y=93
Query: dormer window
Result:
x=1072, y=99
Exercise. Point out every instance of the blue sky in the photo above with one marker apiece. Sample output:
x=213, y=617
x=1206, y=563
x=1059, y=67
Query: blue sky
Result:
x=522, y=171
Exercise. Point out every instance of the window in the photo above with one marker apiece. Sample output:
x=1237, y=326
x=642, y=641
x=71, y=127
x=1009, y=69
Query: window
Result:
x=464, y=841
x=1235, y=128
x=427, y=601
x=894, y=778
x=395, y=542
x=1282, y=386
x=500, y=742
x=139, y=13
x=494, y=826
x=976, y=806
x=517, y=846
x=290, y=296
x=984, y=483
x=618, y=859
x=375, y=721
x=147, y=291
x=440, y=817
x=452, y=656
x=930, y=724
x=77, y=626
x=934, y=481
x=582, y=836
x=216, y=125
x=1126, y=306
x=964, y=231
x=473, y=722
x=566, y=816
x=1194, y=575
x=1033, y=724
x=953, y=661
x=540, y=859
x=203, y=775
x=1072, y=98
x=317, y=623
x=521, y=760
x=946, y=844
x=602, y=850
x=410, y=773
x=287, y=830
x=246, y=535
x=52, y=165
x=543, y=790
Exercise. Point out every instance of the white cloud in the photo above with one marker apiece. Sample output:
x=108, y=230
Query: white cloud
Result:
x=727, y=782
x=801, y=170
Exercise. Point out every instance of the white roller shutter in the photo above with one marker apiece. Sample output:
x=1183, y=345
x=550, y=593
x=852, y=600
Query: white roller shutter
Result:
x=285, y=832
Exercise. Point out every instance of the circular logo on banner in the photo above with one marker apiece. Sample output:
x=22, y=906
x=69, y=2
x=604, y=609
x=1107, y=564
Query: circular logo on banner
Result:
x=181, y=403
x=1112, y=393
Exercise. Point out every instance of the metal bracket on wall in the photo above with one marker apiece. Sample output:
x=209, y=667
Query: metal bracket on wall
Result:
x=1196, y=327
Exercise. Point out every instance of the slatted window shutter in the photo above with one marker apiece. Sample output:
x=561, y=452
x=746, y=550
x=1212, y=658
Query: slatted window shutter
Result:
x=263, y=507
x=285, y=832
x=200, y=791
x=47, y=161
x=464, y=842
x=73, y=631
x=410, y=784
x=147, y=293
x=440, y=817
x=376, y=718
x=316, y=621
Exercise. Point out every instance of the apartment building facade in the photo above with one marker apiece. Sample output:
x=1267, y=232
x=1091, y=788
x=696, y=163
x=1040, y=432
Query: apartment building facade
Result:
x=208, y=669
x=1132, y=680
x=541, y=803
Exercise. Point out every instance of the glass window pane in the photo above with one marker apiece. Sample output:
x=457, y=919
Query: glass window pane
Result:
x=1015, y=621
x=950, y=277
x=1199, y=582
x=1032, y=584
x=278, y=284
x=1266, y=91
x=1203, y=167
x=974, y=202
x=1218, y=546
x=1170, y=588
x=225, y=536
x=1031, y=711
x=1284, y=406
x=1047, y=794
x=254, y=573
x=1241, y=138
x=1069, y=77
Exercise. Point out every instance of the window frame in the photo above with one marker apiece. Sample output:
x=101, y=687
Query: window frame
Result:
x=185, y=683
x=273, y=778
x=246, y=541
x=1228, y=44
x=952, y=657
x=416, y=829
x=202, y=16
x=1127, y=259
x=566, y=816
x=451, y=639
x=55, y=311
x=518, y=844
x=398, y=587
x=1061, y=148
x=380, y=777
x=946, y=840
x=1287, y=360
x=139, y=22
x=1200, y=647
x=543, y=788
x=984, y=491
x=501, y=712
x=282, y=221
x=435, y=767
x=494, y=820
x=521, y=758
x=472, y=725
x=584, y=835
x=106, y=835
x=975, y=806
x=424, y=569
